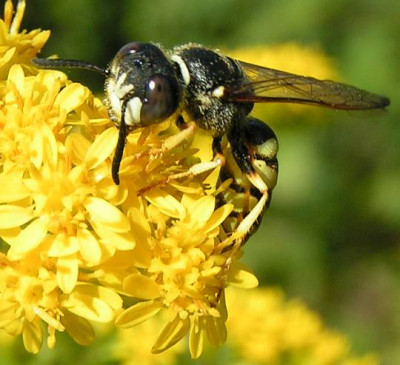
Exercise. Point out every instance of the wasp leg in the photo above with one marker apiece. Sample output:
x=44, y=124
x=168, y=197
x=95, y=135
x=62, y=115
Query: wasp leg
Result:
x=247, y=224
x=196, y=169
x=171, y=142
x=168, y=144
x=254, y=147
x=202, y=167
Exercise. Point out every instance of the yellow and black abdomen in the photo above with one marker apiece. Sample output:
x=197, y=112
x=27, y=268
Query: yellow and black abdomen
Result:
x=235, y=179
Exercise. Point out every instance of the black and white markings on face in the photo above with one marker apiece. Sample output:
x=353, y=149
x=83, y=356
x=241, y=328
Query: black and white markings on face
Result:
x=116, y=91
x=142, y=87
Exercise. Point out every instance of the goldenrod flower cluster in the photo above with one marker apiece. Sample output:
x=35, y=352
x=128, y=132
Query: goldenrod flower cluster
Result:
x=279, y=331
x=264, y=328
x=73, y=243
x=77, y=249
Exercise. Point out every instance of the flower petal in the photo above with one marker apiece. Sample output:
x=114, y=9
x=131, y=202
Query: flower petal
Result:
x=16, y=75
x=102, y=147
x=186, y=189
x=72, y=96
x=140, y=224
x=89, y=246
x=201, y=210
x=6, y=57
x=95, y=303
x=78, y=328
x=166, y=203
x=103, y=212
x=196, y=338
x=242, y=276
x=32, y=336
x=171, y=334
x=63, y=245
x=14, y=216
x=77, y=146
x=28, y=239
x=12, y=189
x=218, y=217
x=216, y=331
x=141, y=286
x=114, y=240
x=14, y=327
x=7, y=312
x=138, y=313
x=67, y=273
x=44, y=147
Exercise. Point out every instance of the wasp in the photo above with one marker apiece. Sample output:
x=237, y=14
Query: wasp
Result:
x=145, y=84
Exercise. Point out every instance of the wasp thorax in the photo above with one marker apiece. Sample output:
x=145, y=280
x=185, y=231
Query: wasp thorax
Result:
x=142, y=87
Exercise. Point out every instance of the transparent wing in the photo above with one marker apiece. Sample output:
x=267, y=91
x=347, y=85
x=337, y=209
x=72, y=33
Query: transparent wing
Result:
x=269, y=85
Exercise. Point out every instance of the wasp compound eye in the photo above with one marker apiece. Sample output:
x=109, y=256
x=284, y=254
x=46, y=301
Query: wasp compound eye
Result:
x=161, y=99
x=129, y=48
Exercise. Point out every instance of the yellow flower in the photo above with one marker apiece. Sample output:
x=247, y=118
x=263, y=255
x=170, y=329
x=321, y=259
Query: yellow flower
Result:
x=30, y=293
x=57, y=200
x=74, y=242
x=48, y=203
x=18, y=47
x=130, y=351
x=186, y=271
x=264, y=328
x=276, y=329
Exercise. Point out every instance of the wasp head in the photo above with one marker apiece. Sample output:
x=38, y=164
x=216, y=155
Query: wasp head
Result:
x=141, y=86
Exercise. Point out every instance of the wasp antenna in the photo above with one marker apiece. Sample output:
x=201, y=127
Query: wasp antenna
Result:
x=56, y=63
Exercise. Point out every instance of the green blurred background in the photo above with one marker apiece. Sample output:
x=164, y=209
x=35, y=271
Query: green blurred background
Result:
x=332, y=233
